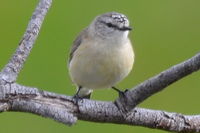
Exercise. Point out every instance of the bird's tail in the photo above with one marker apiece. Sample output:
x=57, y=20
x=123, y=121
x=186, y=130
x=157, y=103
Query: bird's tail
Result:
x=84, y=92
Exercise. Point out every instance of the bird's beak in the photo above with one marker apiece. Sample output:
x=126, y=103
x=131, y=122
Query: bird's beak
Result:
x=126, y=28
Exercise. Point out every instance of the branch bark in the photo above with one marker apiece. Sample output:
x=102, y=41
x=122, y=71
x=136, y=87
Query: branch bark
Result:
x=63, y=109
x=15, y=97
x=157, y=83
x=12, y=69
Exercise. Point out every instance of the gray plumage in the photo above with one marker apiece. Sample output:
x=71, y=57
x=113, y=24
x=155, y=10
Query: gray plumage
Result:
x=121, y=23
x=102, y=54
x=76, y=43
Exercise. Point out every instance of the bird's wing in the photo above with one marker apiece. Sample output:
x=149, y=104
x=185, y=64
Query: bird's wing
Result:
x=77, y=43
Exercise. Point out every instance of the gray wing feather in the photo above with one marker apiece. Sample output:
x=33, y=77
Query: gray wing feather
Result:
x=77, y=43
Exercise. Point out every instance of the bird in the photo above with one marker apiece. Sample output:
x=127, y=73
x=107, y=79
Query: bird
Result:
x=101, y=55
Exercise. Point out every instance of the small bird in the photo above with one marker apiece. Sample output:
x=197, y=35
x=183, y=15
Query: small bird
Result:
x=101, y=55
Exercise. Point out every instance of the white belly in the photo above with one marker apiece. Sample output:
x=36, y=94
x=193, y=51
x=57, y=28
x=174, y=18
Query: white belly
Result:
x=103, y=67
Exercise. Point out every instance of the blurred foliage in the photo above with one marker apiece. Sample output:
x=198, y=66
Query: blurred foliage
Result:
x=166, y=32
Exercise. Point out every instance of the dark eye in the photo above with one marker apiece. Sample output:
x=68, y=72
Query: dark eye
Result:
x=109, y=25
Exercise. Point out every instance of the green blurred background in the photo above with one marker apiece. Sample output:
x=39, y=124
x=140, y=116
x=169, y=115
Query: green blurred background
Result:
x=166, y=32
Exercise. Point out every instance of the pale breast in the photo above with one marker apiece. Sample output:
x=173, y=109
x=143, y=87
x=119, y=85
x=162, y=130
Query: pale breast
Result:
x=101, y=67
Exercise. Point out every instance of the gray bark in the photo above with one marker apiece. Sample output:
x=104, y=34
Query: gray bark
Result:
x=64, y=109
x=157, y=83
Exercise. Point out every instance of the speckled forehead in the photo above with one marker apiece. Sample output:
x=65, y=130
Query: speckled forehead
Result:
x=120, y=18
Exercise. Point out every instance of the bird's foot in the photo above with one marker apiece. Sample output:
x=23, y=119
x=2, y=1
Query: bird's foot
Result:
x=122, y=100
x=121, y=93
x=76, y=99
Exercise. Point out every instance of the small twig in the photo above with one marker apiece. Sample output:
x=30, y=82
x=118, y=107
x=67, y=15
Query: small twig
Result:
x=12, y=69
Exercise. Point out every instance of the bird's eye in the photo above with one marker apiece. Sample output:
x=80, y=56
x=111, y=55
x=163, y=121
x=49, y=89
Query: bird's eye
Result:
x=109, y=25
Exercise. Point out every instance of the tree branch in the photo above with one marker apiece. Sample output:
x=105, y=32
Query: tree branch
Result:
x=63, y=109
x=12, y=69
x=157, y=83
x=15, y=97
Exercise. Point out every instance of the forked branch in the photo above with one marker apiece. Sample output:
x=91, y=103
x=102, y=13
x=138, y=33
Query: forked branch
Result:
x=15, y=97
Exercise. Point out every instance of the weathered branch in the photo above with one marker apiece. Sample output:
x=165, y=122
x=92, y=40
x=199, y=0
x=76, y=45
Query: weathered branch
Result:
x=26, y=99
x=63, y=109
x=12, y=69
x=157, y=83
x=15, y=97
